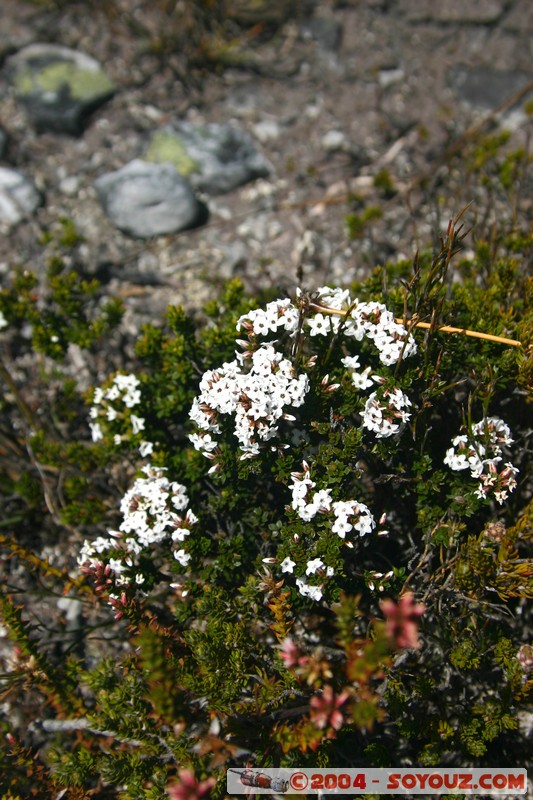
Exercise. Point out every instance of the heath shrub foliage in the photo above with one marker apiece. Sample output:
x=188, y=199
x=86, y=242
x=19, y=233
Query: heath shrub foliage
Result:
x=293, y=531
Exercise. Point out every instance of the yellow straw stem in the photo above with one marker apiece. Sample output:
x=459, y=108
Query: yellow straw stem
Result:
x=444, y=328
x=466, y=332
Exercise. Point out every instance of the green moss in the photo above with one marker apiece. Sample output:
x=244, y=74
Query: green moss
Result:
x=84, y=84
x=384, y=181
x=357, y=223
x=165, y=147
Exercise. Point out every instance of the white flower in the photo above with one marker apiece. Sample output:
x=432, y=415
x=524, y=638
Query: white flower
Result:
x=334, y=298
x=137, y=423
x=455, y=461
x=203, y=441
x=96, y=431
x=313, y=566
x=362, y=380
x=319, y=325
x=113, y=393
x=146, y=449
x=287, y=565
x=322, y=499
x=350, y=362
x=308, y=512
x=132, y=398
x=341, y=526
x=182, y=557
x=314, y=592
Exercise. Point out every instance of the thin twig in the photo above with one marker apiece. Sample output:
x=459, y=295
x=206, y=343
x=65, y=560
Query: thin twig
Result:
x=83, y=724
x=466, y=332
x=43, y=564
x=440, y=328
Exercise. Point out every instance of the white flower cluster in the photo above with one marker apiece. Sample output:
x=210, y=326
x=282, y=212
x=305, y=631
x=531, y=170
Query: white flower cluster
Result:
x=384, y=415
x=363, y=320
x=314, y=565
x=254, y=393
x=109, y=404
x=481, y=452
x=349, y=514
x=352, y=516
x=305, y=506
x=345, y=516
x=257, y=397
x=3, y=321
x=150, y=519
x=278, y=315
x=260, y=385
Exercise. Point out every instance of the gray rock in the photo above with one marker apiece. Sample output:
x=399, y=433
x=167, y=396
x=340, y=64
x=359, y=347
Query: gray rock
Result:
x=326, y=31
x=485, y=88
x=334, y=141
x=267, y=130
x=59, y=87
x=215, y=158
x=145, y=200
x=72, y=609
x=19, y=197
x=387, y=77
x=3, y=142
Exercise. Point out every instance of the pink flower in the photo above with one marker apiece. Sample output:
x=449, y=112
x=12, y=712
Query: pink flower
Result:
x=325, y=708
x=289, y=653
x=401, y=620
x=525, y=657
x=189, y=788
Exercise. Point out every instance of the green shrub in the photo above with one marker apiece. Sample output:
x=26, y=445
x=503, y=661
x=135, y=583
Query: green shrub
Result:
x=298, y=532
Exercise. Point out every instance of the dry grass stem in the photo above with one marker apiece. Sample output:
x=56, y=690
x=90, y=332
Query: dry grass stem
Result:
x=441, y=328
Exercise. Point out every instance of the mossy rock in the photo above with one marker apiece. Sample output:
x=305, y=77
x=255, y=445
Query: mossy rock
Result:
x=59, y=87
x=82, y=84
x=168, y=147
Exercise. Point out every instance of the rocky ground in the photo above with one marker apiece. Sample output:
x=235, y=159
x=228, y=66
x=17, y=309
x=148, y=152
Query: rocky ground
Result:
x=331, y=96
